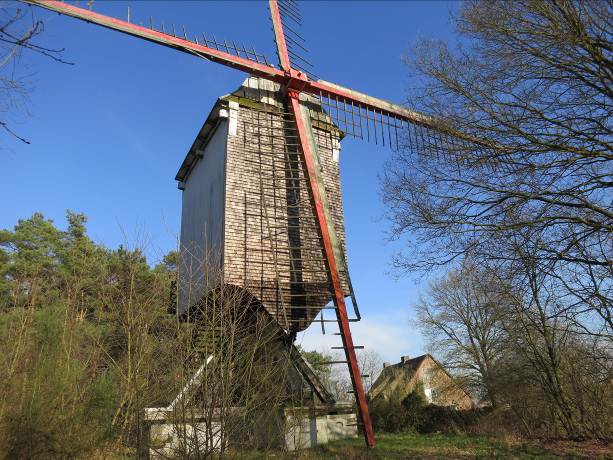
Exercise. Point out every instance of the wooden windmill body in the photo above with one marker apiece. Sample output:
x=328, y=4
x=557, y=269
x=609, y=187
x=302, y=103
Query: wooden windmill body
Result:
x=247, y=219
x=262, y=207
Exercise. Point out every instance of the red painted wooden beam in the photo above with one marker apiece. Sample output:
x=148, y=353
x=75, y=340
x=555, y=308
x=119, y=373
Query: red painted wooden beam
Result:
x=279, y=35
x=180, y=44
x=339, y=296
x=332, y=91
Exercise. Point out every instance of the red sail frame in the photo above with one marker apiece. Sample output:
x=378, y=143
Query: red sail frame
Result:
x=301, y=81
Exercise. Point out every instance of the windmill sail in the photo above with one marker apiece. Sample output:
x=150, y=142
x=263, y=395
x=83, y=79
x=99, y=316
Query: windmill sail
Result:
x=288, y=11
x=238, y=57
x=340, y=103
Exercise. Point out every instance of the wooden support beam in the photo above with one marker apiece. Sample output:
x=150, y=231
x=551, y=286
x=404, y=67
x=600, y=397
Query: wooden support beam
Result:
x=317, y=193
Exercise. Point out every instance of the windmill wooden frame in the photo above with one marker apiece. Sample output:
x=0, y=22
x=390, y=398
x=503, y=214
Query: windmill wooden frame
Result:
x=355, y=113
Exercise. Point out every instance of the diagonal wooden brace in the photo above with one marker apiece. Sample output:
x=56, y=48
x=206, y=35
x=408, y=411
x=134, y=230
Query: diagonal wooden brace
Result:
x=326, y=229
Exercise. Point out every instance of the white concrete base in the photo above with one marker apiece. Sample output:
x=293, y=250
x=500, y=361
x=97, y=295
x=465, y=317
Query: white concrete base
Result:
x=305, y=433
x=183, y=440
x=169, y=438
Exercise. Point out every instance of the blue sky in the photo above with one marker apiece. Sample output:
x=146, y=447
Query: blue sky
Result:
x=109, y=133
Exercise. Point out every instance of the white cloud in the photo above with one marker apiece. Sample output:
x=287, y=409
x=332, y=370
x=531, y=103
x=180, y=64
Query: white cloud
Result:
x=391, y=339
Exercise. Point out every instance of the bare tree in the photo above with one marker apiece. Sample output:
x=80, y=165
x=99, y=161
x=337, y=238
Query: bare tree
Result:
x=371, y=365
x=338, y=380
x=461, y=316
x=19, y=32
x=538, y=337
x=553, y=372
x=235, y=382
x=531, y=91
x=247, y=375
x=505, y=335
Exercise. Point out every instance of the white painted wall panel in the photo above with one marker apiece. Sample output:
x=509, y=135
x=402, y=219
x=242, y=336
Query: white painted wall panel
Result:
x=202, y=220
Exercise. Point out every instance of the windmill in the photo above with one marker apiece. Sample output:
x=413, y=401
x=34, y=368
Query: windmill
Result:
x=310, y=197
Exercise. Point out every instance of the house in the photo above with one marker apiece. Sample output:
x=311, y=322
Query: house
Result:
x=399, y=380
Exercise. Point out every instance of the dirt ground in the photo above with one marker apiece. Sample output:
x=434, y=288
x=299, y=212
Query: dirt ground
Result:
x=585, y=449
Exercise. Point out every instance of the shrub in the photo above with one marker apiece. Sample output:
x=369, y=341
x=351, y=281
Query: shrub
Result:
x=413, y=413
x=388, y=416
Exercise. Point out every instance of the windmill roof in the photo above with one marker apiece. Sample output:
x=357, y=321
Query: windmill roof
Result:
x=200, y=142
x=253, y=91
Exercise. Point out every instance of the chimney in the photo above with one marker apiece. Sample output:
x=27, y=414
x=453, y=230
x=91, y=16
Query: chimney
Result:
x=404, y=359
x=385, y=365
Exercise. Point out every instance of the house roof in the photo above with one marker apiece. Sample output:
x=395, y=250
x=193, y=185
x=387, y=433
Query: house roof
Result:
x=400, y=379
x=413, y=363
x=397, y=378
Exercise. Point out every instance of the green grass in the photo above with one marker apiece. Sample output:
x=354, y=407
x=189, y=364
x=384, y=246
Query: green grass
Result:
x=434, y=446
